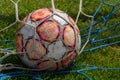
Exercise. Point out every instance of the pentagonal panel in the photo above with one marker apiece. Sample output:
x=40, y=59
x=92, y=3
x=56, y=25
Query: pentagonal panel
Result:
x=69, y=36
x=56, y=50
x=63, y=16
x=35, y=49
x=40, y=14
x=59, y=20
x=22, y=23
x=59, y=10
x=48, y=31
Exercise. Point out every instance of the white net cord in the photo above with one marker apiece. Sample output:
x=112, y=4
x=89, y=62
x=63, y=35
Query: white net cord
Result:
x=53, y=5
x=78, y=15
x=8, y=53
x=17, y=17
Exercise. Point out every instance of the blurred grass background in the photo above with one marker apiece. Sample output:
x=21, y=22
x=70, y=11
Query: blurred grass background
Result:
x=104, y=57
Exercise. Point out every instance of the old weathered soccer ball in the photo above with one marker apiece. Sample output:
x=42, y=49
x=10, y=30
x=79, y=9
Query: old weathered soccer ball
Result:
x=48, y=41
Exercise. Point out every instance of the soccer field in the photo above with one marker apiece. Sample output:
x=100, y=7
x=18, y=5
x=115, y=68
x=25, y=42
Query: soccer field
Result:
x=108, y=57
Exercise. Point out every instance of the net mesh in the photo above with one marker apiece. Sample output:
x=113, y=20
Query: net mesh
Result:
x=104, y=25
x=101, y=30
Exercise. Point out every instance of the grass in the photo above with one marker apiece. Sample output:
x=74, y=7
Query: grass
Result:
x=104, y=57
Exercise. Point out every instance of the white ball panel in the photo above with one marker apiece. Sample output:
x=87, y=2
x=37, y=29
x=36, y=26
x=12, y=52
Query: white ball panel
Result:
x=59, y=20
x=27, y=32
x=56, y=50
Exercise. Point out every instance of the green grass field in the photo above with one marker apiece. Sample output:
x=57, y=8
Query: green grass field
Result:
x=105, y=57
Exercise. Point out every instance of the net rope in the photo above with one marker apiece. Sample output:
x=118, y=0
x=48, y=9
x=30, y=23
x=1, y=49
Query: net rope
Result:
x=98, y=43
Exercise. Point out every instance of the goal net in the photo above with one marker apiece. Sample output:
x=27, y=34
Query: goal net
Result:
x=98, y=21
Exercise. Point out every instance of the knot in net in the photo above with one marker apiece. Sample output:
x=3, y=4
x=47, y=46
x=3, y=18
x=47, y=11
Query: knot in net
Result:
x=103, y=30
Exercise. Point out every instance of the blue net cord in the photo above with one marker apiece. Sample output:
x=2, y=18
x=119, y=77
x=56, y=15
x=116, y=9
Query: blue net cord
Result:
x=35, y=75
x=98, y=31
x=92, y=41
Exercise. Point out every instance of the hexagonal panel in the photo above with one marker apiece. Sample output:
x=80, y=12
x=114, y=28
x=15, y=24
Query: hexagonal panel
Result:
x=40, y=14
x=48, y=31
x=73, y=22
x=35, y=49
x=68, y=58
x=69, y=36
x=19, y=42
x=48, y=65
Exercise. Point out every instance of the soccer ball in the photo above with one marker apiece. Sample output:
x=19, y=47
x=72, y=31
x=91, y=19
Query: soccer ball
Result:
x=47, y=40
